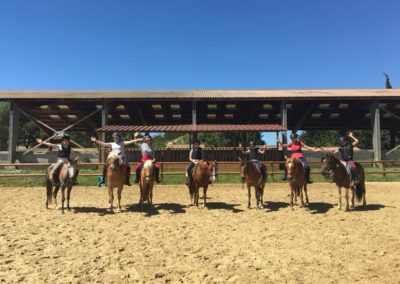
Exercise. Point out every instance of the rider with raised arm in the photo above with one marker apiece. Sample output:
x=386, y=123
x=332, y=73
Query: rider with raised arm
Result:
x=347, y=143
x=117, y=145
x=195, y=155
x=64, y=153
x=252, y=154
x=296, y=152
x=147, y=151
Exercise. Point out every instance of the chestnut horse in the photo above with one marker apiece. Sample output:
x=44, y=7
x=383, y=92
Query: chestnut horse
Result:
x=297, y=180
x=332, y=168
x=146, y=183
x=204, y=173
x=253, y=178
x=67, y=175
x=115, y=177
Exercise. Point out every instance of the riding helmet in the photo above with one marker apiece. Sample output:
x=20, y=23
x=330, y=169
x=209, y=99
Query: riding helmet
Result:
x=196, y=141
x=293, y=136
x=116, y=134
x=66, y=137
x=251, y=143
x=148, y=138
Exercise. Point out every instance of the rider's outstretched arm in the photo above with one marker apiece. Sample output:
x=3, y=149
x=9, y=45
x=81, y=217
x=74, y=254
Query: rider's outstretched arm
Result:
x=101, y=143
x=51, y=145
x=355, y=140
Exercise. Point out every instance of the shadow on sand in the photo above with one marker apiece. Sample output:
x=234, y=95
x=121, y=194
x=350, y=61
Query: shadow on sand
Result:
x=99, y=211
x=369, y=207
x=319, y=207
x=275, y=206
x=223, y=205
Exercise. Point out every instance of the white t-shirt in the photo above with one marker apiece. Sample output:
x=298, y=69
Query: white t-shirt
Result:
x=119, y=146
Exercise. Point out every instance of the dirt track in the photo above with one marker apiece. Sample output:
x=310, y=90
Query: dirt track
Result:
x=174, y=242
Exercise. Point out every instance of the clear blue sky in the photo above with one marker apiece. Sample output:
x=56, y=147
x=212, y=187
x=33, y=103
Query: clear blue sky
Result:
x=204, y=44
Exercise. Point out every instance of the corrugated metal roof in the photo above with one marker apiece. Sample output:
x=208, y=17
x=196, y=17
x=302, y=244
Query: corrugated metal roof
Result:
x=193, y=128
x=202, y=94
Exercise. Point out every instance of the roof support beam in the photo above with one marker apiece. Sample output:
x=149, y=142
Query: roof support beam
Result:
x=284, y=123
x=376, y=129
x=303, y=118
x=13, y=132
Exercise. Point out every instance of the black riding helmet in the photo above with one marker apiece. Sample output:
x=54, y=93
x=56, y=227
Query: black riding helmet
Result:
x=196, y=141
x=344, y=139
x=66, y=137
x=251, y=143
x=116, y=134
x=293, y=136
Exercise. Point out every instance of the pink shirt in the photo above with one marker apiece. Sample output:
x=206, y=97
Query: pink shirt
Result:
x=295, y=147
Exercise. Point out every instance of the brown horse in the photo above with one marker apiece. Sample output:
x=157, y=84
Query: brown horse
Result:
x=332, y=168
x=146, y=183
x=253, y=178
x=204, y=173
x=297, y=180
x=67, y=175
x=115, y=177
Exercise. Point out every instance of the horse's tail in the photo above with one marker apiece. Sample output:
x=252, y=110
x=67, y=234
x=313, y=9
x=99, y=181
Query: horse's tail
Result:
x=360, y=187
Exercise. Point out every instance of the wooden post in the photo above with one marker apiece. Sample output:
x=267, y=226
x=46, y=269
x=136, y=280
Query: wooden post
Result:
x=13, y=132
x=194, y=121
x=376, y=130
x=104, y=122
x=284, y=124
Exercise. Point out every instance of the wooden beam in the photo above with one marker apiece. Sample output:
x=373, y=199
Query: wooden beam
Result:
x=376, y=129
x=304, y=117
x=13, y=132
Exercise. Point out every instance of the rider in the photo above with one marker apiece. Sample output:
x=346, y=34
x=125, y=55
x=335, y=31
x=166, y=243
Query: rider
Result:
x=252, y=154
x=347, y=143
x=296, y=152
x=195, y=155
x=64, y=153
x=147, y=150
x=117, y=145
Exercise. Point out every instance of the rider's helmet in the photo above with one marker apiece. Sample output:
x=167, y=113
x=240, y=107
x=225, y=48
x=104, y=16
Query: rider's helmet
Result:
x=148, y=138
x=196, y=141
x=344, y=139
x=116, y=134
x=293, y=136
x=66, y=137
x=252, y=144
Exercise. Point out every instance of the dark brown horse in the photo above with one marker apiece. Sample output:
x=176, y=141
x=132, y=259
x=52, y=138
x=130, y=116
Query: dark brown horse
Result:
x=67, y=175
x=204, y=173
x=254, y=179
x=332, y=168
x=297, y=180
x=115, y=177
x=146, y=183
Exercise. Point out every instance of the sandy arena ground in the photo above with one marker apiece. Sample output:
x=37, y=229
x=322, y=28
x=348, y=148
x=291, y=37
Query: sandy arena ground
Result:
x=226, y=243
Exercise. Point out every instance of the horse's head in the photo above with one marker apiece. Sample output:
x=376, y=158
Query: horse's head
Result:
x=213, y=168
x=289, y=168
x=147, y=171
x=73, y=167
x=329, y=164
x=114, y=160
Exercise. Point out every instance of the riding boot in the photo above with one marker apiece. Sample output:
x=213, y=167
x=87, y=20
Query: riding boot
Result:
x=127, y=176
x=157, y=173
x=76, y=176
x=103, y=181
x=308, y=175
x=137, y=174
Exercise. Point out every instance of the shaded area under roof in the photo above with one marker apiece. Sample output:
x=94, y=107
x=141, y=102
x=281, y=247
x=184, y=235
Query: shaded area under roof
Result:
x=193, y=128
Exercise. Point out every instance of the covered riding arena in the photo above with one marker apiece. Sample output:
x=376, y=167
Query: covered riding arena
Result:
x=172, y=242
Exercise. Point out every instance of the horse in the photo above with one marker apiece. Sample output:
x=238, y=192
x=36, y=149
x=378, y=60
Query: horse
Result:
x=67, y=174
x=297, y=180
x=115, y=177
x=253, y=178
x=334, y=169
x=203, y=174
x=146, y=183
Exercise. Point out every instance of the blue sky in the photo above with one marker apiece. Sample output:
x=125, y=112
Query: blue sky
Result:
x=183, y=44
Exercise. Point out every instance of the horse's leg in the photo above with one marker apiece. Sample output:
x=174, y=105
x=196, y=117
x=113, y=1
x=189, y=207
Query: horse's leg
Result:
x=363, y=196
x=68, y=197
x=292, y=195
x=204, y=195
x=248, y=196
x=151, y=194
x=262, y=195
x=119, y=194
x=340, y=197
x=347, y=199
x=111, y=195
x=300, y=188
x=305, y=192
x=62, y=198
x=56, y=189
x=196, y=195
x=353, y=195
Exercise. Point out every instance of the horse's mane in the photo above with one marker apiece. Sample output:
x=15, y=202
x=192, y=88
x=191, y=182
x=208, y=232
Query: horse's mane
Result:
x=114, y=154
x=147, y=164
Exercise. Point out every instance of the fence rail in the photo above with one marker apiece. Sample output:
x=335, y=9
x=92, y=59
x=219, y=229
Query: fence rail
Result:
x=178, y=168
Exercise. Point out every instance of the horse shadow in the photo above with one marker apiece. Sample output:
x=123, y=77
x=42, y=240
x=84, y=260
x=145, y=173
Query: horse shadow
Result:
x=224, y=206
x=369, y=207
x=319, y=207
x=148, y=209
x=99, y=211
x=275, y=206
